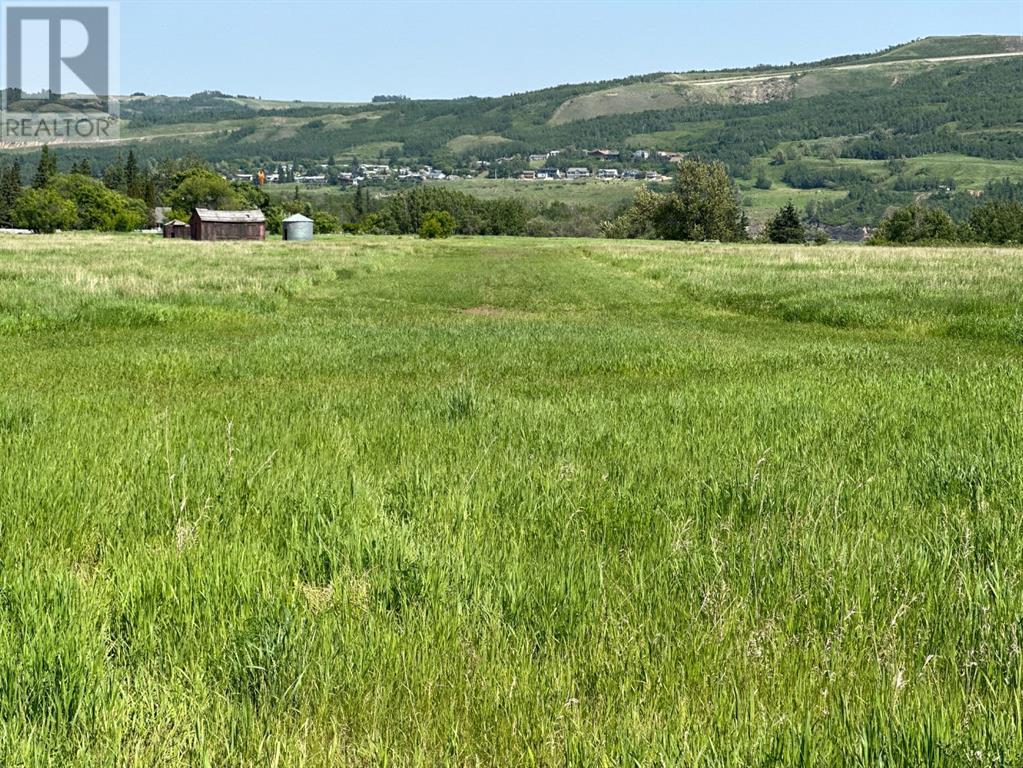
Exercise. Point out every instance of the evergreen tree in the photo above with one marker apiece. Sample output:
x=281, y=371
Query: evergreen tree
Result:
x=47, y=168
x=786, y=227
x=131, y=176
x=10, y=191
x=113, y=175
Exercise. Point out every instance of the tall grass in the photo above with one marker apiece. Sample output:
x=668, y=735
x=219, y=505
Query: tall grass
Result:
x=508, y=502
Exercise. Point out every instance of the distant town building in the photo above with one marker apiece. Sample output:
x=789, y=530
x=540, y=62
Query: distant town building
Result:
x=577, y=173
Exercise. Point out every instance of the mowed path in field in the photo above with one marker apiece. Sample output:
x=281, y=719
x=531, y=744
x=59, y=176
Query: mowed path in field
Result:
x=494, y=501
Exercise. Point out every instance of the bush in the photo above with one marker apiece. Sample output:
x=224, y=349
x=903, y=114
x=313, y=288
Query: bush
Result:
x=44, y=211
x=762, y=182
x=437, y=224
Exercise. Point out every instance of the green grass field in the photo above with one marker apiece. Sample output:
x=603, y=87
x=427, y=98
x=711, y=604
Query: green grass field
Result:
x=509, y=502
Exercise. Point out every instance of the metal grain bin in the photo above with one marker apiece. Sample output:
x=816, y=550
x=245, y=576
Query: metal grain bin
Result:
x=297, y=227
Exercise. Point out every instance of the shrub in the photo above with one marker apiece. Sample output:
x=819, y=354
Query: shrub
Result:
x=437, y=224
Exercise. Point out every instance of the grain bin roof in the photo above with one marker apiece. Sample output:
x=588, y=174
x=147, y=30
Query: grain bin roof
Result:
x=297, y=217
x=231, y=217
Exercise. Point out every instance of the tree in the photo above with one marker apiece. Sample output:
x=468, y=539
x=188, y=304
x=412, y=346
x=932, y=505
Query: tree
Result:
x=46, y=169
x=325, y=223
x=762, y=181
x=202, y=188
x=437, y=224
x=704, y=205
x=97, y=207
x=915, y=224
x=997, y=221
x=786, y=227
x=44, y=211
x=10, y=191
x=113, y=174
x=132, y=186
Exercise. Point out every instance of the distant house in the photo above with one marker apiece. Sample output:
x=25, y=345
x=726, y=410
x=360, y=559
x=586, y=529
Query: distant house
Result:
x=577, y=173
x=228, y=225
x=604, y=154
x=528, y=175
x=641, y=154
x=631, y=173
x=548, y=173
x=316, y=180
x=538, y=158
x=374, y=171
x=607, y=173
x=436, y=175
x=671, y=157
x=177, y=230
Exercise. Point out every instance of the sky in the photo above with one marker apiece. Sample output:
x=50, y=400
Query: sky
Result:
x=350, y=51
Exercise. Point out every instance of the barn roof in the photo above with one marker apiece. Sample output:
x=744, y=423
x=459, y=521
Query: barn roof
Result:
x=296, y=218
x=231, y=217
x=175, y=223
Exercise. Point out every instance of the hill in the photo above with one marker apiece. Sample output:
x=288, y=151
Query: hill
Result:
x=838, y=121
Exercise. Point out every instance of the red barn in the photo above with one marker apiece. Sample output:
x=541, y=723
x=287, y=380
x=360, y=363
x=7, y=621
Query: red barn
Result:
x=228, y=225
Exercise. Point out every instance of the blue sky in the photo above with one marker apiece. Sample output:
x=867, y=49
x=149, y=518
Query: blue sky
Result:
x=331, y=50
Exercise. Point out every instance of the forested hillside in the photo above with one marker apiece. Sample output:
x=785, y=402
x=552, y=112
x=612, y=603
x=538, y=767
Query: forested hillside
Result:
x=834, y=125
